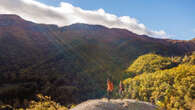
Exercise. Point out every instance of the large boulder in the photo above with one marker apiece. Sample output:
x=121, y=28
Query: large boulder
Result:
x=114, y=104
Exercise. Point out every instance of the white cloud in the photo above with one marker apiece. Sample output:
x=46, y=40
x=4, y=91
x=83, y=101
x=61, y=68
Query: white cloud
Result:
x=66, y=14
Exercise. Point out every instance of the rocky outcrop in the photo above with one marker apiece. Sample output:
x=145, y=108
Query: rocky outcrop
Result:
x=114, y=104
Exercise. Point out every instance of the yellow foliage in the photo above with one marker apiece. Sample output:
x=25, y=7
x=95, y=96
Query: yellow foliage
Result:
x=45, y=103
x=168, y=88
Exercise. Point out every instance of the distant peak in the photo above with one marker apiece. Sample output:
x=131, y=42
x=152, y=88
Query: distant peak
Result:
x=82, y=26
x=11, y=19
x=10, y=16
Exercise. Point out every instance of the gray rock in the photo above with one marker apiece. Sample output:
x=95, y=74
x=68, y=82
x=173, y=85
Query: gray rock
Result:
x=114, y=104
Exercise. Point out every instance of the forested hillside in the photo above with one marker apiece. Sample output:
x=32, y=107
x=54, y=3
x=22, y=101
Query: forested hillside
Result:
x=170, y=88
x=150, y=63
x=71, y=63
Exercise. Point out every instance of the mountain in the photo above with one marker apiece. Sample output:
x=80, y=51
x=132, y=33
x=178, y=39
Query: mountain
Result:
x=65, y=62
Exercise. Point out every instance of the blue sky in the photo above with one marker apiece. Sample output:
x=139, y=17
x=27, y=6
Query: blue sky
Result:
x=175, y=17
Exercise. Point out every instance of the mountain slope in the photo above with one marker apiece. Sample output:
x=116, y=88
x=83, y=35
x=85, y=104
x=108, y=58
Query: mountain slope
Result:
x=170, y=88
x=65, y=62
x=150, y=63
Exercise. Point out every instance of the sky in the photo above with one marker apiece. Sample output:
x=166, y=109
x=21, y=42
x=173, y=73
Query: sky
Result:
x=173, y=19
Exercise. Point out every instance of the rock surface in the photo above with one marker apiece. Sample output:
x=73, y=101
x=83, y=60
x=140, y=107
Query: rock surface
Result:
x=114, y=104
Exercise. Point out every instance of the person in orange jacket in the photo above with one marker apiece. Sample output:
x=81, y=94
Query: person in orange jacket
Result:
x=110, y=88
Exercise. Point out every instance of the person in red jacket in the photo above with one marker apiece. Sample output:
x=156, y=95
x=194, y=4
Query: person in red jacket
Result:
x=110, y=88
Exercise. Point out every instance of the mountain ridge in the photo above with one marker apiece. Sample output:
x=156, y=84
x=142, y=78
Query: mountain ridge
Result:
x=77, y=26
x=65, y=59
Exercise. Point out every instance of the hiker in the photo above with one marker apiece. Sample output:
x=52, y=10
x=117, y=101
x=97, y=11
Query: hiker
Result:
x=109, y=88
x=121, y=89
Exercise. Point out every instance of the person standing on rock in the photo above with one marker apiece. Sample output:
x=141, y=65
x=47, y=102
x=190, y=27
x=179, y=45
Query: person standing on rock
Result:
x=121, y=89
x=110, y=87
